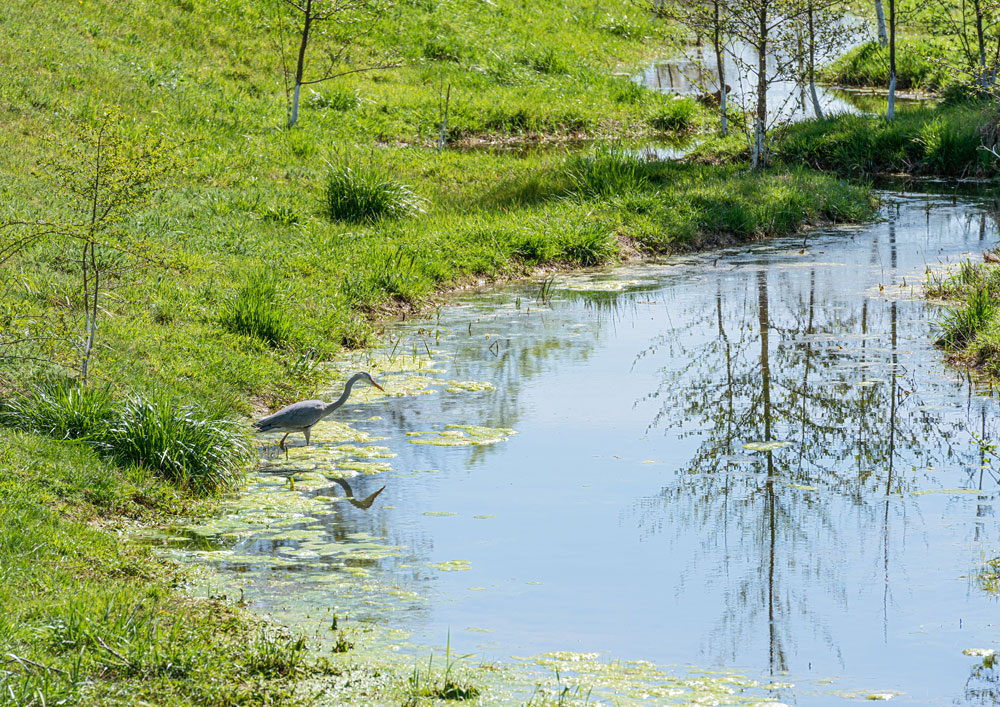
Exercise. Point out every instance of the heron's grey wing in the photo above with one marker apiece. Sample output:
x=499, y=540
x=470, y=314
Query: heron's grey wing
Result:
x=300, y=415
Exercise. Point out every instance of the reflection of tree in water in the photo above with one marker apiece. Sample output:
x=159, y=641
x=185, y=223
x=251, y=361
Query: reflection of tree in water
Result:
x=983, y=685
x=819, y=378
x=511, y=349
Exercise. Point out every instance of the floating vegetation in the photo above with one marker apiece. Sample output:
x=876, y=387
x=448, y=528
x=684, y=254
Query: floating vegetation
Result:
x=979, y=652
x=597, y=285
x=766, y=446
x=628, y=682
x=484, y=517
x=453, y=566
x=331, y=431
x=463, y=436
x=471, y=386
x=440, y=513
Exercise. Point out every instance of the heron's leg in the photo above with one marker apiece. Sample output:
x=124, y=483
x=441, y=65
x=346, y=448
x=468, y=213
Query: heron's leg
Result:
x=307, y=430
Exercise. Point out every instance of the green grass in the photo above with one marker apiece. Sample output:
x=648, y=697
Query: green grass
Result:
x=366, y=194
x=89, y=619
x=196, y=451
x=939, y=140
x=969, y=326
x=921, y=64
x=257, y=309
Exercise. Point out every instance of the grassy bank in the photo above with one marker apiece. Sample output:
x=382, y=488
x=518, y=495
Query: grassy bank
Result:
x=88, y=619
x=942, y=140
x=271, y=249
x=921, y=65
x=970, y=324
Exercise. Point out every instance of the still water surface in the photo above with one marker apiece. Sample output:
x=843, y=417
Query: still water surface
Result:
x=751, y=460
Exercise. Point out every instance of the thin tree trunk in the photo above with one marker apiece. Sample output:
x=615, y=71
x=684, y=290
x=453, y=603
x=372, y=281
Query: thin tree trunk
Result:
x=891, y=113
x=293, y=117
x=880, y=16
x=812, y=64
x=982, y=44
x=760, y=127
x=721, y=68
x=85, y=269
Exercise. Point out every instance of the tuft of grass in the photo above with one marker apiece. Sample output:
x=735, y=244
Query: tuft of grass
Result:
x=608, y=171
x=675, y=115
x=629, y=92
x=339, y=100
x=588, y=246
x=962, y=322
x=272, y=654
x=196, y=451
x=60, y=411
x=448, y=687
x=257, y=310
x=988, y=576
x=367, y=194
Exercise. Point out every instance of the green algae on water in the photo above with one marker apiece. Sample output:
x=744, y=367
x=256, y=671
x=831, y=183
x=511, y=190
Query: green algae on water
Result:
x=463, y=436
x=471, y=386
x=453, y=565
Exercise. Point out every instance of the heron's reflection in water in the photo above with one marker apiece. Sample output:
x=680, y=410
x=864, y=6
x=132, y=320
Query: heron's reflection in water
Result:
x=363, y=503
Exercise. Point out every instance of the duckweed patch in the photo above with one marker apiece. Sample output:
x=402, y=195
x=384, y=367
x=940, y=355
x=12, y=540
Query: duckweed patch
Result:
x=463, y=436
x=453, y=565
x=470, y=386
x=634, y=682
x=596, y=285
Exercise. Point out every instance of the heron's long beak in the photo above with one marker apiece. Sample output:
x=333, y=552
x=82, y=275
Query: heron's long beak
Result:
x=378, y=386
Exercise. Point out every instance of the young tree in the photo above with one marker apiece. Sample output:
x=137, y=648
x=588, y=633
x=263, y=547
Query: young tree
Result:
x=973, y=27
x=706, y=17
x=891, y=110
x=824, y=32
x=766, y=28
x=331, y=28
x=770, y=29
x=883, y=39
x=106, y=173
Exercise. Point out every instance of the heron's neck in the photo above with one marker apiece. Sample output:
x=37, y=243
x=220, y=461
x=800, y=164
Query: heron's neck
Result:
x=343, y=396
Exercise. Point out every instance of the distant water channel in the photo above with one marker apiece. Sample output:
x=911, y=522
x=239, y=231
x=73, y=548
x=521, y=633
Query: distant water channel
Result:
x=750, y=460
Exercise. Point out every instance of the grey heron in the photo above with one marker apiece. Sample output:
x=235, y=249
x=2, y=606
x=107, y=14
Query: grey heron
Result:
x=301, y=416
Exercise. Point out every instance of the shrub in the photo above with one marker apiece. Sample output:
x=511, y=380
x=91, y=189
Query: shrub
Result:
x=257, y=310
x=367, y=195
